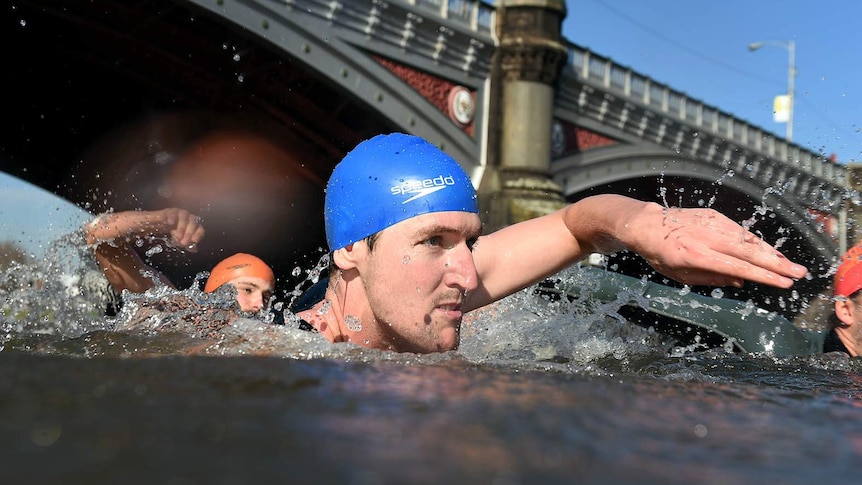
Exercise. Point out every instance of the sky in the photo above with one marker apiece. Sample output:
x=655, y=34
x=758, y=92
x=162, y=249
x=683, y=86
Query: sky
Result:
x=700, y=48
x=696, y=47
x=32, y=217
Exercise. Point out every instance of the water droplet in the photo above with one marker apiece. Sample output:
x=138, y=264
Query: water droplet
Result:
x=353, y=324
x=405, y=260
x=717, y=293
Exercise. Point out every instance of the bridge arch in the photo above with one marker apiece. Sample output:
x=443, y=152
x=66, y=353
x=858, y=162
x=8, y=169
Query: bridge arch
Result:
x=349, y=45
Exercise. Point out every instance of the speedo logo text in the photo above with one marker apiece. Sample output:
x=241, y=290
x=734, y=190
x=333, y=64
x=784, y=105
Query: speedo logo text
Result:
x=420, y=188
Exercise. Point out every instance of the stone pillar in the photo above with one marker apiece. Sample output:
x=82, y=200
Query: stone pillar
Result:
x=853, y=222
x=517, y=185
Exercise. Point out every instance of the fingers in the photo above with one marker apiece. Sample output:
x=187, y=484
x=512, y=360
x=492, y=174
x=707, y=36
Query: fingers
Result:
x=703, y=247
x=756, y=256
x=192, y=236
x=731, y=265
x=746, y=272
x=186, y=229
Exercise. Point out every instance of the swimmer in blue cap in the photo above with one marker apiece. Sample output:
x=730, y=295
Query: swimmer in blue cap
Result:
x=408, y=261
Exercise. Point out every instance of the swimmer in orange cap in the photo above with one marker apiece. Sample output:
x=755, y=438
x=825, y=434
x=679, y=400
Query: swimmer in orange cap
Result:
x=253, y=279
x=110, y=237
x=845, y=334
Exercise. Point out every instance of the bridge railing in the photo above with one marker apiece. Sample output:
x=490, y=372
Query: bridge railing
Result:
x=477, y=14
x=619, y=80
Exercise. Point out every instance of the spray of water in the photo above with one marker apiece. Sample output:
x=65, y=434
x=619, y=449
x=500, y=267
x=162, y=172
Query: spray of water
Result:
x=65, y=294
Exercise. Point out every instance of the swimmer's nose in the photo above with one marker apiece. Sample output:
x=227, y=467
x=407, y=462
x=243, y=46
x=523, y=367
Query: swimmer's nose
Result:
x=257, y=302
x=463, y=274
x=252, y=302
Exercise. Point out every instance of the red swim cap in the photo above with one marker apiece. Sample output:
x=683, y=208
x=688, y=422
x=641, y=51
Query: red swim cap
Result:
x=848, y=277
x=240, y=264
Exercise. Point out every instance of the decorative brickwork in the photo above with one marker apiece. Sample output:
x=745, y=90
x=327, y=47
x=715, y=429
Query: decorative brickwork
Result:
x=586, y=139
x=432, y=88
x=567, y=139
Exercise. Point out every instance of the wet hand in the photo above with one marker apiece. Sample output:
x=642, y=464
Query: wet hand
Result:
x=185, y=229
x=704, y=247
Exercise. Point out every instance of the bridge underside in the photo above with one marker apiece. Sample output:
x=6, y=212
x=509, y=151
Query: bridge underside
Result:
x=147, y=104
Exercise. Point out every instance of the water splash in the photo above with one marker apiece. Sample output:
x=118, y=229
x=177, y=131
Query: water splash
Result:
x=312, y=277
x=65, y=294
x=536, y=325
x=353, y=323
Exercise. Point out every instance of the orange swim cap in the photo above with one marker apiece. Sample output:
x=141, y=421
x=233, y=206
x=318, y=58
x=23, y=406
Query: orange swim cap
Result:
x=848, y=277
x=240, y=264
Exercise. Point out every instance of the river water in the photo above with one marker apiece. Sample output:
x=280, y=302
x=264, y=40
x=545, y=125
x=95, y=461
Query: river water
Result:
x=539, y=392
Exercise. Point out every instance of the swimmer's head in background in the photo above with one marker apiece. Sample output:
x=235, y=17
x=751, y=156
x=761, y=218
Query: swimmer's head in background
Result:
x=239, y=264
x=848, y=276
x=390, y=178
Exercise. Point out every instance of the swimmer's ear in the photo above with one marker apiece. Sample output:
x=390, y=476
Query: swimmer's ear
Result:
x=345, y=258
x=844, y=311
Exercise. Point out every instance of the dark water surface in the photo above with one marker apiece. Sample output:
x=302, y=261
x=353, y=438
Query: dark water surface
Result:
x=196, y=420
x=538, y=393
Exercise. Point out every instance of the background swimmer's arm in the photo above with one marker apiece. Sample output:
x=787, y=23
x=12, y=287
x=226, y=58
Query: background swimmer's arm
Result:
x=110, y=238
x=693, y=246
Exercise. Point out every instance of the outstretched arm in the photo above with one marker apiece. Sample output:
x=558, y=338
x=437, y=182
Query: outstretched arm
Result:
x=110, y=237
x=692, y=246
x=704, y=247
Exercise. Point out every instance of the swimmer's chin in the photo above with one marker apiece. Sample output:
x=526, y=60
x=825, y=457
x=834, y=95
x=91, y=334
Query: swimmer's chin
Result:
x=450, y=340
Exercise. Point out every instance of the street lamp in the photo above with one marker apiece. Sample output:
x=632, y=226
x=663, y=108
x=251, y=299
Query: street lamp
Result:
x=791, y=73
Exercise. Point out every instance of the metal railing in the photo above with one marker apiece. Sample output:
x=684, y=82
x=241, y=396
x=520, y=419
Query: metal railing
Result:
x=477, y=14
x=603, y=73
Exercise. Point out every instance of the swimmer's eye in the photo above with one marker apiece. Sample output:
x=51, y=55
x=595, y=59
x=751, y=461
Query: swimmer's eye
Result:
x=433, y=241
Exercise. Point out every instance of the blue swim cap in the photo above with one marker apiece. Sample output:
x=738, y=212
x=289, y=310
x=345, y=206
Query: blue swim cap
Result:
x=390, y=178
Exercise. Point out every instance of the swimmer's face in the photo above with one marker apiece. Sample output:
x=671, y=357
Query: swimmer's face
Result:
x=253, y=293
x=416, y=278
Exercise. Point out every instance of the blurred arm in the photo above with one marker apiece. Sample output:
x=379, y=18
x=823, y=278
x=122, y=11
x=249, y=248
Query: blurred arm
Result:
x=110, y=237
